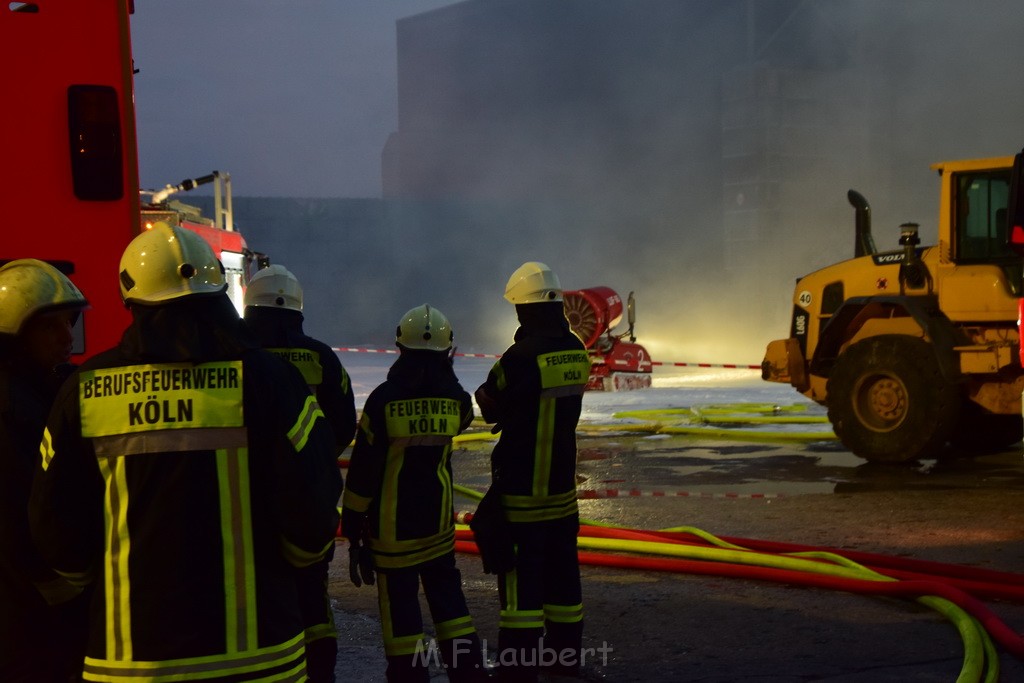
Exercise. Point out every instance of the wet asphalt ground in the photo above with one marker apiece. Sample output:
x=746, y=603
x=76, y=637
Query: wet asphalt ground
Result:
x=643, y=625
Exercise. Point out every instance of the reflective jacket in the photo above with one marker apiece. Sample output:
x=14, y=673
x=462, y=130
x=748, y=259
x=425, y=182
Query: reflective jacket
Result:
x=186, y=472
x=280, y=331
x=400, y=473
x=27, y=585
x=534, y=392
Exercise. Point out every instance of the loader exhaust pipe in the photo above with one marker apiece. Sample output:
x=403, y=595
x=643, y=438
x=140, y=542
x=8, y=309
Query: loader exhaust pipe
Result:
x=864, y=243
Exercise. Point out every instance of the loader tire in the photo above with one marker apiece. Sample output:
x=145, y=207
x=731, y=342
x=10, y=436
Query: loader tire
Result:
x=888, y=401
x=979, y=431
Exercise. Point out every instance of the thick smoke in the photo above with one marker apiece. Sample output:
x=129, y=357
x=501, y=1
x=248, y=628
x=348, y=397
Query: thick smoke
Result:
x=696, y=153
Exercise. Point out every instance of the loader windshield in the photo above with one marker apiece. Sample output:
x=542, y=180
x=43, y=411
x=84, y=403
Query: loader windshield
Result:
x=981, y=217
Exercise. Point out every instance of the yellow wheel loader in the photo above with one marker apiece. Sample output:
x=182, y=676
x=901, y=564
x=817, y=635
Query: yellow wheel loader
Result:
x=919, y=347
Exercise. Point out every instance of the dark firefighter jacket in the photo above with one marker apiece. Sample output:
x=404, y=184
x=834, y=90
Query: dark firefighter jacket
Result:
x=27, y=584
x=400, y=472
x=280, y=331
x=534, y=392
x=186, y=472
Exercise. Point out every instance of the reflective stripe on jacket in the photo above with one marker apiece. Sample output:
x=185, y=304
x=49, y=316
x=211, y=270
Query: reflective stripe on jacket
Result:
x=400, y=471
x=535, y=390
x=188, y=492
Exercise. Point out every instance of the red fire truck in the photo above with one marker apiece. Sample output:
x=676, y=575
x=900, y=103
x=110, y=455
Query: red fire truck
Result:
x=70, y=183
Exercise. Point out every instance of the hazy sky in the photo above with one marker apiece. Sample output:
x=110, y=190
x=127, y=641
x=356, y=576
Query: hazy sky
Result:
x=293, y=98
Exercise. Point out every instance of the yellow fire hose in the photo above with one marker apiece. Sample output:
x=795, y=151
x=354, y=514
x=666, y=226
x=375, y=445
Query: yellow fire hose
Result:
x=703, y=421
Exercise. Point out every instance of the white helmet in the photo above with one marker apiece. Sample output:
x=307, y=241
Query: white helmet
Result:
x=274, y=287
x=424, y=327
x=29, y=286
x=533, y=282
x=169, y=262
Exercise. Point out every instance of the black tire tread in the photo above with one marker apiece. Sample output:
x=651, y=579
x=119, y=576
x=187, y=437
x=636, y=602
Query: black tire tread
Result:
x=929, y=423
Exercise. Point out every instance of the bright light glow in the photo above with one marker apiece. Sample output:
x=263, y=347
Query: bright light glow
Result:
x=670, y=378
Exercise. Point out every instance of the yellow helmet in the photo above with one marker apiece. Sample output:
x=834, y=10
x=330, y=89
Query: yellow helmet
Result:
x=533, y=282
x=424, y=327
x=29, y=286
x=169, y=262
x=274, y=287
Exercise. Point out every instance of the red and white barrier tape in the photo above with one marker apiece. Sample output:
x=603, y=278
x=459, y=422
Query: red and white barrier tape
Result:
x=731, y=366
x=361, y=350
x=351, y=349
x=590, y=494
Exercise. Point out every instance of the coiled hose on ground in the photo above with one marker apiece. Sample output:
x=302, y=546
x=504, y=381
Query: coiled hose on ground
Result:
x=948, y=589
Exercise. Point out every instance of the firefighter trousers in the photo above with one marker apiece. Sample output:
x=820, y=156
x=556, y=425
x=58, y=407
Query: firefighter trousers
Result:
x=405, y=645
x=320, y=634
x=541, y=623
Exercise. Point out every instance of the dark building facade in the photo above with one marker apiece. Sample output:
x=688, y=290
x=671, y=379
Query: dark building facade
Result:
x=563, y=99
x=689, y=124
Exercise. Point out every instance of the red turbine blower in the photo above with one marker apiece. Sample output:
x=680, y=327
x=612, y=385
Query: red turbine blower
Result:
x=616, y=364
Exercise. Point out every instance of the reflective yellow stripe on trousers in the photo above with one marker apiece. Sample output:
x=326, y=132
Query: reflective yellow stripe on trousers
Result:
x=289, y=656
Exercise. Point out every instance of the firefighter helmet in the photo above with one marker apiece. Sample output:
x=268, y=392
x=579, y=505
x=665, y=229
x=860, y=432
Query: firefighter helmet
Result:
x=533, y=282
x=29, y=286
x=424, y=327
x=169, y=262
x=274, y=287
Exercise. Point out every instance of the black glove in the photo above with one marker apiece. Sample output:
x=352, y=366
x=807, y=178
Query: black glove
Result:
x=360, y=564
x=360, y=561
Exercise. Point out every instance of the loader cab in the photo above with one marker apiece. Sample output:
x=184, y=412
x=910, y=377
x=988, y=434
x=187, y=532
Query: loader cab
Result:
x=973, y=211
x=973, y=229
x=980, y=211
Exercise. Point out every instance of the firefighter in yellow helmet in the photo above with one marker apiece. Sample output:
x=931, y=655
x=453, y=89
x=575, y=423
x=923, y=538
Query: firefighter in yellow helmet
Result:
x=186, y=473
x=397, y=507
x=273, y=312
x=42, y=617
x=534, y=393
